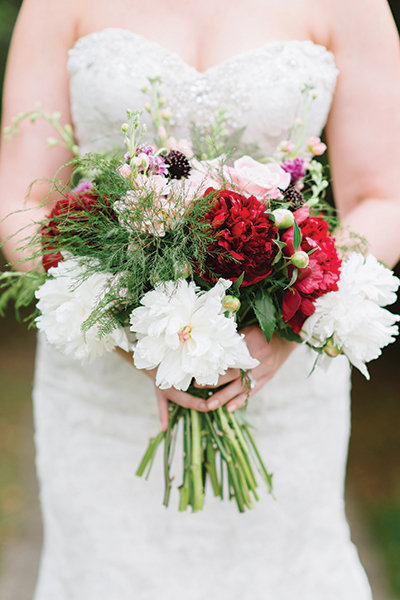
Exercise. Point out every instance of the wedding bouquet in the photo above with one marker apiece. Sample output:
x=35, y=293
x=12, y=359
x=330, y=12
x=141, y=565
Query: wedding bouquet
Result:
x=170, y=250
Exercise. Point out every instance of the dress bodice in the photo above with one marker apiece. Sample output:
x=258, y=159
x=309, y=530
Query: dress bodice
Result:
x=261, y=89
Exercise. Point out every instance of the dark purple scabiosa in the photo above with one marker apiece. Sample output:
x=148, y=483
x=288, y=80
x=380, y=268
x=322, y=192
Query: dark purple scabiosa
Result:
x=294, y=198
x=177, y=164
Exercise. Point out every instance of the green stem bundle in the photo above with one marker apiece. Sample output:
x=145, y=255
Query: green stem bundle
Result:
x=215, y=448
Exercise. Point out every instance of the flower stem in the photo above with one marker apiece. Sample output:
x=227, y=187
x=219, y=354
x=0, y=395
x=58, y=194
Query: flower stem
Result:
x=184, y=490
x=150, y=453
x=196, y=461
x=262, y=469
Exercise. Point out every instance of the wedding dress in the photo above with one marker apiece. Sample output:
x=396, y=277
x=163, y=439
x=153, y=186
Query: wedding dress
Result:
x=106, y=534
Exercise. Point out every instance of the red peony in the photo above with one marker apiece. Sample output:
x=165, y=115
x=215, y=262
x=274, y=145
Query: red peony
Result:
x=321, y=275
x=74, y=208
x=244, y=238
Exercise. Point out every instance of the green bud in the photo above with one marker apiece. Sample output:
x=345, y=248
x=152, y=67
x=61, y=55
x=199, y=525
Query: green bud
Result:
x=300, y=259
x=125, y=127
x=183, y=270
x=283, y=218
x=330, y=349
x=231, y=303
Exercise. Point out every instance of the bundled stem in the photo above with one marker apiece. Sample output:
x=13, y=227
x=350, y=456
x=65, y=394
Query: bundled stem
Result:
x=209, y=439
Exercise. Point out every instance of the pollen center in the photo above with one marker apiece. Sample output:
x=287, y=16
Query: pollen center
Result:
x=184, y=334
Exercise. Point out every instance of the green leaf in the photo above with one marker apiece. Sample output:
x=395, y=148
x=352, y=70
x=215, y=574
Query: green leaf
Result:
x=293, y=279
x=235, y=290
x=296, y=236
x=265, y=312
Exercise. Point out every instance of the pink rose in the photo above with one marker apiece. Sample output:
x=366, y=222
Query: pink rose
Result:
x=258, y=179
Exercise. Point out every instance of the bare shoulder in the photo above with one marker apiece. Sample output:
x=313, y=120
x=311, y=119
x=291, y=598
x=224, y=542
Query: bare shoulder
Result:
x=359, y=23
x=45, y=16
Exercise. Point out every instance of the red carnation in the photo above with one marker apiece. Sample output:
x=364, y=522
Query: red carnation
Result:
x=74, y=208
x=321, y=275
x=244, y=238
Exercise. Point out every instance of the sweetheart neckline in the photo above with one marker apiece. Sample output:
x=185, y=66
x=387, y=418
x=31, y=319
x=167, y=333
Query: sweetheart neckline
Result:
x=172, y=53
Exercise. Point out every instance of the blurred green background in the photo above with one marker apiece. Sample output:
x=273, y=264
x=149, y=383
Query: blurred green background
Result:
x=373, y=479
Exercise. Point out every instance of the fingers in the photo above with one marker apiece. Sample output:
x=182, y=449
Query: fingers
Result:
x=162, y=409
x=223, y=396
x=230, y=375
x=183, y=399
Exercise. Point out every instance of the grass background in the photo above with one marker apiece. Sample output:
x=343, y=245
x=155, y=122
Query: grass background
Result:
x=373, y=478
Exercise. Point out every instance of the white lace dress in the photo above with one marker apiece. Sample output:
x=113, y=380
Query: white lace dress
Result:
x=106, y=534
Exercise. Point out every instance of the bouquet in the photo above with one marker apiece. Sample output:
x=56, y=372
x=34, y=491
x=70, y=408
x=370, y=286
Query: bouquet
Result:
x=170, y=249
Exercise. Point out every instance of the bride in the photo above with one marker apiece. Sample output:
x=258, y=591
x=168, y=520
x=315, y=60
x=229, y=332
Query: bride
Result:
x=106, y=535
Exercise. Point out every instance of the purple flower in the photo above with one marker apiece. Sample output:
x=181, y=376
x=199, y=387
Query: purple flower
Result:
x=149, y=150
x=157, y=165
x=296, y=167
x=83, y=186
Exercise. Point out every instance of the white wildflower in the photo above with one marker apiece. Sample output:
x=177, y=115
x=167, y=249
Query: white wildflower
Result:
x=352, y=319
x=65, y=301
x=185, y=333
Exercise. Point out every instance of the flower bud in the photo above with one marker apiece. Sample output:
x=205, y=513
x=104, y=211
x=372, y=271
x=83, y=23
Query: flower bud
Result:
x=300, y=259
x=283, y=218
x=52, y=142
x=124, y=170
x=144, y=89
x=162, y=133
x=287, y=146
x=124, y=127
x=147, y=107
x=183, y=270
x=331, y=350
x=144, y=160
x=231, y=303
x=315, y=146
x=136, y=162
x=166, y=114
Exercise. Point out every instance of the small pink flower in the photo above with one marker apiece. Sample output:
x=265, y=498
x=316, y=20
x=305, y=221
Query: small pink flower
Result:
x=162, y=132
x=315, y=146
x=258, y=179
x=125, y=171
x=287, y=147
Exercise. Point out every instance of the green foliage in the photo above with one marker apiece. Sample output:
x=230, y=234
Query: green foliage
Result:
x=217, y=140
x=8, y=14
x=296, y=236
x=265, y=311
x=386, y=528
x=65, y=132
x=19, y=288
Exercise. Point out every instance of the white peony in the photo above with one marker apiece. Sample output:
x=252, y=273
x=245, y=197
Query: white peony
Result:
x=185, y=333
x=65, y=301
x=369, y=278
x=352, y=319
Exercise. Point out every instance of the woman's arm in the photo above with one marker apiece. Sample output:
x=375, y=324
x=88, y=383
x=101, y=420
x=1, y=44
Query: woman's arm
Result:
x=36, y=72
x=363, y=130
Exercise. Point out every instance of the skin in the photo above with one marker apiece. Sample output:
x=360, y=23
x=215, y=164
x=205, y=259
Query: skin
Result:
x=362, y=130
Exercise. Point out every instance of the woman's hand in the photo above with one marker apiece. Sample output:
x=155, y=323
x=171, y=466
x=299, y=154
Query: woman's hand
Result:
x=168, y=395
x=271, y=356
x=235, y=394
